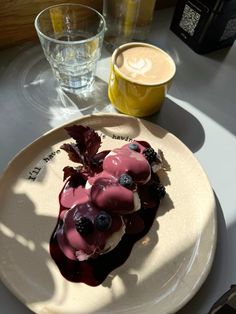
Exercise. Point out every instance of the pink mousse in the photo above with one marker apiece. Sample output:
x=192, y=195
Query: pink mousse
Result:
x=70, y=241
x=124, y=160
x=102, y=193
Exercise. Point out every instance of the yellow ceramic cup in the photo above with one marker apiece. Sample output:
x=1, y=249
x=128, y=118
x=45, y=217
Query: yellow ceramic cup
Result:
x=137, y=98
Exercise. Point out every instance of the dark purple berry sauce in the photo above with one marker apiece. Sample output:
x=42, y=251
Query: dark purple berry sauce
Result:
x=94, y=271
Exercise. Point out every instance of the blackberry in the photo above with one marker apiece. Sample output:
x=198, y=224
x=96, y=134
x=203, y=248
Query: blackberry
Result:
x=152, y=189
x=157, y=189
x=103, y=221
x=135, y=147
x=161, y=191
x=126, y=180
x=150, y=154
x=84, y=225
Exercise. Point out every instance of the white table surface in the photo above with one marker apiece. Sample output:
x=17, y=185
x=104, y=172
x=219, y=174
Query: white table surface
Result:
x=200, y=110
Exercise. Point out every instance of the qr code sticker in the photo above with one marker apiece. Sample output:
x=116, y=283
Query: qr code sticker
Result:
x=230, y=29
x=189, y=20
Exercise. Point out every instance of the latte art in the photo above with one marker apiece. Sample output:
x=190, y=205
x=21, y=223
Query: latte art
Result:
x=138, y=66
x=145, y=65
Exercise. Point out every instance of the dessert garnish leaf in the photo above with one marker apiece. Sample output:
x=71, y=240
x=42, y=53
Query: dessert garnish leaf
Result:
x=76, y=176
x=87, y=143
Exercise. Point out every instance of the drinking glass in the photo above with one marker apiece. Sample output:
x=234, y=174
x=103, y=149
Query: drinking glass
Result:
x=127, y=20
x=71, y=36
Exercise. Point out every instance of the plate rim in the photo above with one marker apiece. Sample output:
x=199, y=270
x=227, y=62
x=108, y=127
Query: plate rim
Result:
x=85, y=118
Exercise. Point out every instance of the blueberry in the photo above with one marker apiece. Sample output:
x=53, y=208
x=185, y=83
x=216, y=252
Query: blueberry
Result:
x=84, y=225
x=126, y=180
x=135, y=147
x=103, y=221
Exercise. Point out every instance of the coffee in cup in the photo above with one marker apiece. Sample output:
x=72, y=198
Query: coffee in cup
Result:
x=140, y=77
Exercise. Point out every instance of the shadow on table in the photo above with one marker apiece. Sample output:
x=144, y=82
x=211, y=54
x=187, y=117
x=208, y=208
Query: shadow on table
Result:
x=13, y=304
x=181, y=123
x=205, y=82
x=220, y=55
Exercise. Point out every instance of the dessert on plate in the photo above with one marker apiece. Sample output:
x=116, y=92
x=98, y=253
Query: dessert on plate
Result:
x=108, y=202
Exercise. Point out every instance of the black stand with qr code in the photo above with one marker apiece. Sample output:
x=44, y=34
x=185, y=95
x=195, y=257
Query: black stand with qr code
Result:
x=205, y=25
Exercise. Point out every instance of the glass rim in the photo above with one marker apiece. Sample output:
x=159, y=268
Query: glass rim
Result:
x=65, y=41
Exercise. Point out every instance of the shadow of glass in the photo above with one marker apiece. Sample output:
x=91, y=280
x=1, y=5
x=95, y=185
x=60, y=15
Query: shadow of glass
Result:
x=181, y=123
x=87, y=102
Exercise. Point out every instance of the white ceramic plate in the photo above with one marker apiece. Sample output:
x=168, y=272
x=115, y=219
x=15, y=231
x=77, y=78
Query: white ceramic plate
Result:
x=165, y=268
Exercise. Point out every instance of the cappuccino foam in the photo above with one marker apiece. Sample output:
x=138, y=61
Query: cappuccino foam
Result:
x=145, y=65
